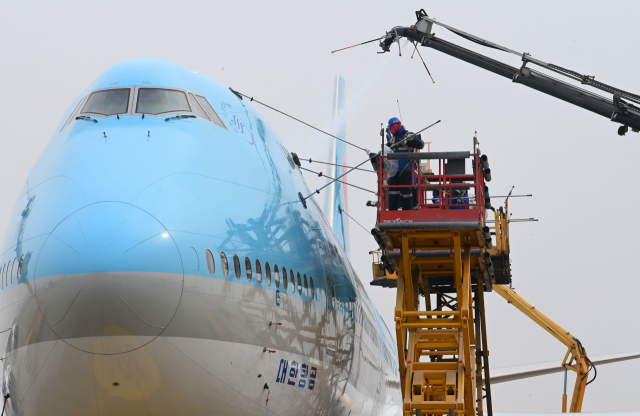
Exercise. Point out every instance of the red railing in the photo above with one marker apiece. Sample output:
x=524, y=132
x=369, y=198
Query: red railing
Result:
x=442, y=197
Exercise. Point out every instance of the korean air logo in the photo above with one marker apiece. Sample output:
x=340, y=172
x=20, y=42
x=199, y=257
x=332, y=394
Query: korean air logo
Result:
x=292, y=373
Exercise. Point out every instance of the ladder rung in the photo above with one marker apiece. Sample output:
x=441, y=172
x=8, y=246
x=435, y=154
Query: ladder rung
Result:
x=439, y=366
x=448, y=333
x=447, y=352
x=430, y=313
x=449, y=324
x=433, y=405
x=436, y=345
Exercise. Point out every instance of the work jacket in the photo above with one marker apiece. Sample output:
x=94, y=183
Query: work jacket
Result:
x=408, y=146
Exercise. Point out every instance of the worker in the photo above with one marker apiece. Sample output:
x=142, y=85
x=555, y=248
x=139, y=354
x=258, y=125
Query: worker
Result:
x=459, y=197
x=402, y=141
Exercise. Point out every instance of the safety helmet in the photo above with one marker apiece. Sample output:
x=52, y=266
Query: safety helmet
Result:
x=394, y=120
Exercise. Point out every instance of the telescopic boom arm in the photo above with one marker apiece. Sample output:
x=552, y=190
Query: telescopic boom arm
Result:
x=618, y=108
x=576, y=357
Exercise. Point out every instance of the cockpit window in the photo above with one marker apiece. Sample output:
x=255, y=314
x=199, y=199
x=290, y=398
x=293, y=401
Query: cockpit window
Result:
x=211, y=111
x=160, y=100
x=197, y=108
x=151, y=101
x=108, y=102
x=73, y=113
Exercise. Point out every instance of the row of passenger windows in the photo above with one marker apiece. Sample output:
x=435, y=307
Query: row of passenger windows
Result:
x=150, y=101
x=10, y=270
x=288, y=281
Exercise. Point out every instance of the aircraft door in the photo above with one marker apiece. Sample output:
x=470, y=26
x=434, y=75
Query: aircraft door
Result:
x=331, y=360
x=329, y=281
x=379, y=387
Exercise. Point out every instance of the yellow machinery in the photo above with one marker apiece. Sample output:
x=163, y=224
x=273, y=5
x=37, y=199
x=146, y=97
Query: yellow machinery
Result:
x=438, y=249
x=576, y=357
x=444, y=248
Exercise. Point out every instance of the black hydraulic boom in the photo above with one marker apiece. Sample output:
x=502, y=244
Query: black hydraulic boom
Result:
x=618, y=108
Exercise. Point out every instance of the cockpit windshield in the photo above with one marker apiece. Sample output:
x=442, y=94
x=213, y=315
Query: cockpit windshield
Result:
x=197, y=108
x=160, y=100
x=152, y=101
x=108, y=102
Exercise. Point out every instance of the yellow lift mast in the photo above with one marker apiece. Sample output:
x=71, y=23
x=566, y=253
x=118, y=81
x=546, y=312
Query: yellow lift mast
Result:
x=446, y=338
x=444, y=248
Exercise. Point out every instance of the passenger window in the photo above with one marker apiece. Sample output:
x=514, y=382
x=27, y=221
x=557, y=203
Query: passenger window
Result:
x=211, y=264
x=299, y=284
x=197, y=108
x=20, y=268
x=313, y=295
x=284, y=279
x=306, y=287
x=267, y=270
x=277, y=273
x=159, y=101
x=108, y=102
x=247, y=267
x=258, y=271
x=225, y=264
x=236, y=266
x=212, y=113
x=293, y=281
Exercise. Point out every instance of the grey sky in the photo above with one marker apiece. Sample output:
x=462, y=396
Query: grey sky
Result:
x=576, y=265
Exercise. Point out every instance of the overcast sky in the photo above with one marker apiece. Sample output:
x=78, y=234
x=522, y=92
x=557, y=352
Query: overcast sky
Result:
x=577, y=264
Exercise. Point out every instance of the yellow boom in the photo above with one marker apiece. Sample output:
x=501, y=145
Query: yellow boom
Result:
x=576, y=357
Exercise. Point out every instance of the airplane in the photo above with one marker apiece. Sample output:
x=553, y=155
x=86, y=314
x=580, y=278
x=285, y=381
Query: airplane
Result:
x=159, y=261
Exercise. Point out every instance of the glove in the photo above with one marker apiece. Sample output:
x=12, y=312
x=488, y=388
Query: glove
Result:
x=375, y=158
x=417, y=141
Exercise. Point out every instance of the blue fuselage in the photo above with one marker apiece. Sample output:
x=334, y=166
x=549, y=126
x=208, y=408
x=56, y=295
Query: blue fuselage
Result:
x=118, y=242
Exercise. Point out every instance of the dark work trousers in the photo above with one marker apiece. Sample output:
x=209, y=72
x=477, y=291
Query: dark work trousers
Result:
x=406, y=194
x=394, y=193
x=401, y=197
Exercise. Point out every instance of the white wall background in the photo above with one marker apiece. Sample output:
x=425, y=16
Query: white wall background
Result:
x=577, y=264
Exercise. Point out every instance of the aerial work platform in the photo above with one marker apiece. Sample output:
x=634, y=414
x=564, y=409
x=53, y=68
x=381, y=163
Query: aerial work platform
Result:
x=445, y=247
x=440, y=247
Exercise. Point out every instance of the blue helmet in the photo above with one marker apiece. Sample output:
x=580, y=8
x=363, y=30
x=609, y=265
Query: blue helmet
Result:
x=395, y=126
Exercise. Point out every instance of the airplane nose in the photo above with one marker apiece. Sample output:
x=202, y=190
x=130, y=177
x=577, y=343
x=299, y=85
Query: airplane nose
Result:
x=108, y=278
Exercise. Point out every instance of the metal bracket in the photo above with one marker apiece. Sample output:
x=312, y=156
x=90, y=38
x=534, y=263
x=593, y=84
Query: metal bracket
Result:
x=523, y=68
x=425, y=26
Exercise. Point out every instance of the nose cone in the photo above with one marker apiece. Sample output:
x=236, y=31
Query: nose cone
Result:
x=108, y=278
